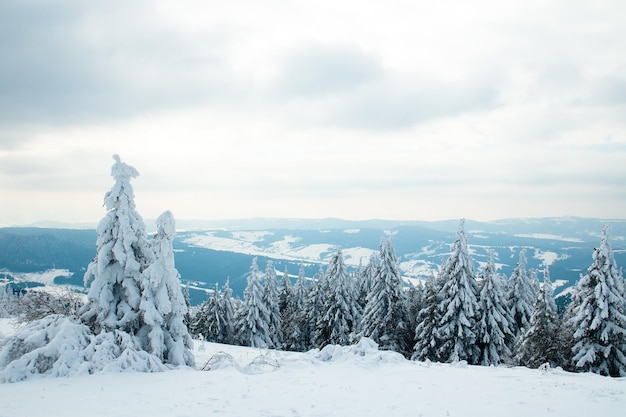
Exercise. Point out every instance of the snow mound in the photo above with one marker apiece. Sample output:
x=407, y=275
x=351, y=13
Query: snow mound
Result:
x=366, y=350
x=59, y=346
x=259, y=365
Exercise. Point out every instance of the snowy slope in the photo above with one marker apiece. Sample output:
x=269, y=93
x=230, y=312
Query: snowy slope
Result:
x=351, y=381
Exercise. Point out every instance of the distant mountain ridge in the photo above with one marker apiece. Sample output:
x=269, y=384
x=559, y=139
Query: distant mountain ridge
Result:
x=209, y=252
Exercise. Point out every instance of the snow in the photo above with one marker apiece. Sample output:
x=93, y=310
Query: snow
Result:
x=244, y=242
x=549, y=237
x=353, y=381
x=357, y=255
x=45, y=277
x=547, y=257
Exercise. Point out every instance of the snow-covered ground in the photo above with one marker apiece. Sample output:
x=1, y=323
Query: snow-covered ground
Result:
x=350, y=381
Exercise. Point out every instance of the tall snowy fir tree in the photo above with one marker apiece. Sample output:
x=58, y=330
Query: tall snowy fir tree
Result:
x=385, y=318
x=315, y=306
x=162, y=306
x=414, y=305
x=122, y=254
x=271, y=299
x=459, y=308
x=295, y=324
x=208, y=319
x=521, y=296
x=285, y=292
x=366, y=278
x=253, y=316
x=495, y=321
x=341, y=313
x=227, y=310
x=428, y=321
x=598, y=315
x=540, y=344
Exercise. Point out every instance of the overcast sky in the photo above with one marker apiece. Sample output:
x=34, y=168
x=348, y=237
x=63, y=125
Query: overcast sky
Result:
x=354, y=109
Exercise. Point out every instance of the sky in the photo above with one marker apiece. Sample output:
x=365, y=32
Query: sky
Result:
x=407, y=110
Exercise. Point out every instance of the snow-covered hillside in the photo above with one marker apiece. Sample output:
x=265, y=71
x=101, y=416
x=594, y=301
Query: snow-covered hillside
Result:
x=340, y=381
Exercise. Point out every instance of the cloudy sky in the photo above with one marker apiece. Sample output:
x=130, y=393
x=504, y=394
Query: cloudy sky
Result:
x=353, y=109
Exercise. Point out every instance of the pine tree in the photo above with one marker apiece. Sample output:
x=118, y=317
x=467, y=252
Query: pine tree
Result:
x=339, y=319
x=253, y=316
x=285, y=292
x=414, y=304
x=271, y=299
x=385, y=317
x=162, y=306
x=520, y=296
x=295, y=324
x=187, y=320
x=366, y=278
x=227, y=310
x=315, y=307
x=427, y=322
x=123, y=253
x=494, y=325
x=458, y=306
x=541, y=342
x=598, y=315
x=209, y=319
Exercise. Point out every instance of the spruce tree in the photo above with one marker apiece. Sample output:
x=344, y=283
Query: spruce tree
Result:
x=339, y=319
x=366, y=278
x=385, y=317
x=428, y=321
x=163, y=309
x=271, y=299
x=598, y=315
x=208, y=321
x=541, y=342
x=458, y=307
x=227, y=311
x=123, y=253
x=521, y=296
x=494, y=324
x=315, y=307
x=285, y=291
x=253, y=316
x=414, y=304
x=295, y=324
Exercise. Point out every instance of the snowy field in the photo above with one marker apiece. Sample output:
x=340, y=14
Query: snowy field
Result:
x=350, y=381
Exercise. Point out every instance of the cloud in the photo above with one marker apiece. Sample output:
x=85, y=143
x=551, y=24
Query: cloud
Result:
x=82, y=62
x=317, y=70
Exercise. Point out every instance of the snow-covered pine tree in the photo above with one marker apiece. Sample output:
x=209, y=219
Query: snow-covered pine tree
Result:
x=285, y=291
x=414, y=305
x=385, y=316
x=495, y=337
x=271, y=299
x=208, y=321
x=295, y=323
x=521, y=296
x=365, y=280
x=123, y=253
x=253, y=316
x=540, y=344
x=459, y=308
x=318, y=292
x=598, y=315
x=427, y=321
x=187, y=320
x=339, y=319
x=227, y=310
x=163, y=332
